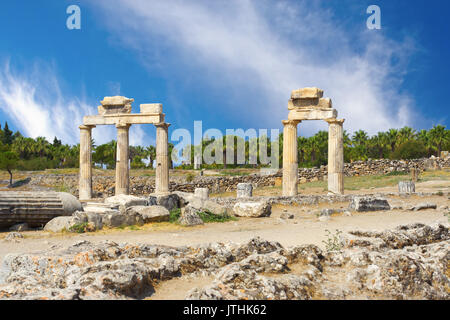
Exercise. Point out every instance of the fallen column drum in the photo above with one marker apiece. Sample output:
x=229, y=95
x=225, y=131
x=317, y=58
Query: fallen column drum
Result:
x=35, y=208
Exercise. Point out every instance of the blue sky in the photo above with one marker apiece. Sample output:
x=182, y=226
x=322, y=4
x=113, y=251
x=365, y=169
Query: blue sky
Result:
x=231, y=64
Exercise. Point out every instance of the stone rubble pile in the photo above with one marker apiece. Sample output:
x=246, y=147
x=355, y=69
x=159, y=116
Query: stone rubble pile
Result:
x=408, y=262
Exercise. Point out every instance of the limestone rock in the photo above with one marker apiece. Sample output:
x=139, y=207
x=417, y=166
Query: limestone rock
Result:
x=287, y=215
x=116, y=104
x=190, y=217
x=252, y=209
x=155, y=108
x=126, y=201
x=170, y=201
x=13, y=237
x=60, y=224
x=424, y=206
x=151, y=213
x=406, y=187
x=244, y=190
x=202, y=193
x=362, y=204
x=307, y=93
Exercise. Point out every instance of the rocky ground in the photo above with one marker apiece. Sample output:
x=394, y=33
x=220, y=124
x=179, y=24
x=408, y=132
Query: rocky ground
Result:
x=368, y=244
x=408, y=262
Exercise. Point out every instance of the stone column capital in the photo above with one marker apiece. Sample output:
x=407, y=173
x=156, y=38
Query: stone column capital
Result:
x=164, y=125
x=336, y=121
x=123, y=125
x=290, y=122
x=86, y=127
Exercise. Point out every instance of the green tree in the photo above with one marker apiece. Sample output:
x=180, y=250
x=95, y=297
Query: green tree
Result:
x=439, y=136
x=6, y=135
x=8, y=162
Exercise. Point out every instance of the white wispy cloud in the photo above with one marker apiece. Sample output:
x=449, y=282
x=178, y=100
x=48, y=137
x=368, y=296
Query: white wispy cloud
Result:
x=270, y=48
x=33, y=100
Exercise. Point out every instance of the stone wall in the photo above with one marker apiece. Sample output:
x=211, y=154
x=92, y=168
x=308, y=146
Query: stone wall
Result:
x=142, y=185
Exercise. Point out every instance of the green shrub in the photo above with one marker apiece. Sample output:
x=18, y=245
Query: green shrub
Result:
x=79, y=227
x=174, y=215
x=190, y=177
x=411, y=149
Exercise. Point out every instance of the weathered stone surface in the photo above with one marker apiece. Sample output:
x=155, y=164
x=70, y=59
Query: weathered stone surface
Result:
x=170, y=201
x=151, y=108
x=35, y=208
x=114, y=219
x=190, y=217
x=286, y=215
x=114, y=105
x=151, y=213
x=252, y=209
x=60, y=224
x=126, y=200
x=369, y=204
x=244, y=190
x=424, y=206
x=406, y=187
x=307, y=93
x=13, y=237
x=408, y=262
x=202, y=193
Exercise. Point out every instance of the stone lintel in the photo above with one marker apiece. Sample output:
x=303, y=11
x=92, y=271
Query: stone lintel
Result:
x=113, y=119
x=312, y=114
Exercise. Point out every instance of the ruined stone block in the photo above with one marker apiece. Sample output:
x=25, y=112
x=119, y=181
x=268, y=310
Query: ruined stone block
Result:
x=307, y=93
x=151, y=108
x=114, y=105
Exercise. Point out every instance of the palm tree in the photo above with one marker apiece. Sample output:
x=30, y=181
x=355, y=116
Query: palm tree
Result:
x=302, y=148
x=439, y=136
x=406, y=134
x=151, y=154
x=392, y=138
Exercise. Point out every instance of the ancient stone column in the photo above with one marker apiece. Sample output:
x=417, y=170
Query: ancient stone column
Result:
x=162, y=158
x=122, y=165
x=290, y=158
x=85, y=180
x=335, y=156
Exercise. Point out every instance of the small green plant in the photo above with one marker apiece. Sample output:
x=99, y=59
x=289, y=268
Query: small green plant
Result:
x=333, y=242
x=133, y=227
x=174, y=215
x=80, y=227
x=190, y=177
x=440, y=193
x=211, y=217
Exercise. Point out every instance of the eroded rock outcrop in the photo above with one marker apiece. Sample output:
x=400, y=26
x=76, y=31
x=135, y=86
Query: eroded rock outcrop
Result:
x=409, y=262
